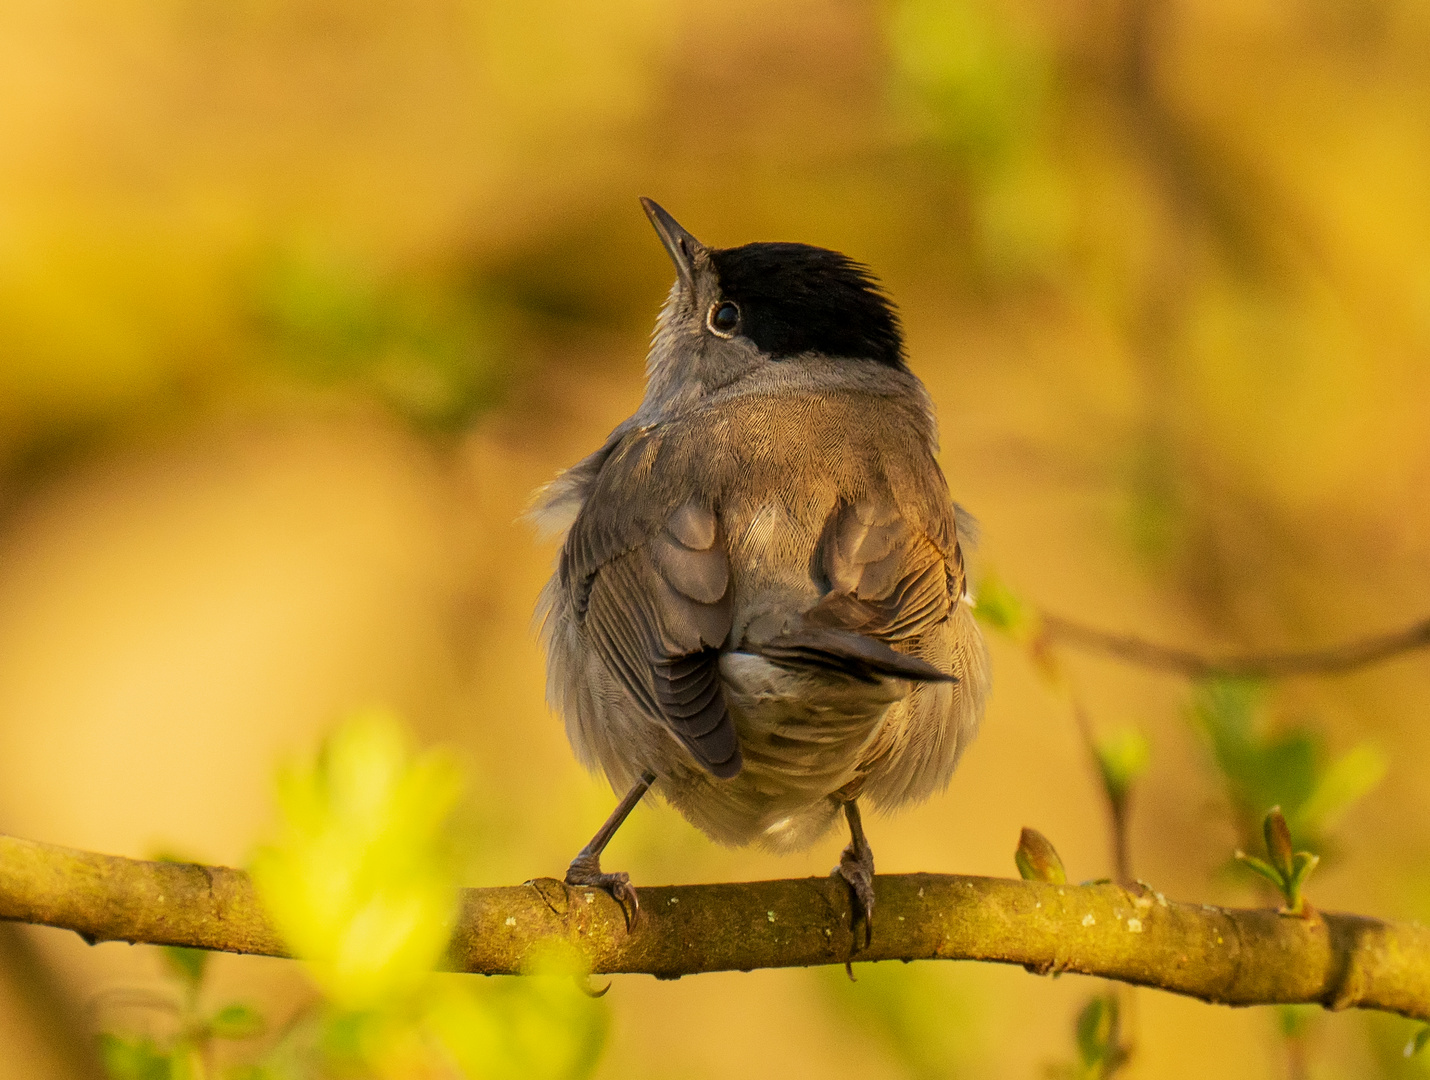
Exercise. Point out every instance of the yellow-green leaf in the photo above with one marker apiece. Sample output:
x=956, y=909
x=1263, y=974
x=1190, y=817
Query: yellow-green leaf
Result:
x=360, y=877
x=236, y=1021
x=1037, y=859
x=1122, y=758
x=1348, y=779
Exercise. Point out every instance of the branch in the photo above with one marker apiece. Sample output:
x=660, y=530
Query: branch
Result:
x=1333, y=661
x=1135, y=935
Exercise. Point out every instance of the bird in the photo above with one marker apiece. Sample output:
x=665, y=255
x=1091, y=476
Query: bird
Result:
x=760, y=608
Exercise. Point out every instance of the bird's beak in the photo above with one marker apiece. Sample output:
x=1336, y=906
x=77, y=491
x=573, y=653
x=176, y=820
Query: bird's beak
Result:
x=681, y=245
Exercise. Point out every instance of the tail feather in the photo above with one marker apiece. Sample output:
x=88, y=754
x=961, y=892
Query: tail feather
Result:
x=845, y=652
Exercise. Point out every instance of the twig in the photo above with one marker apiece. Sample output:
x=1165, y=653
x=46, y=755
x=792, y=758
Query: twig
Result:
x=1230, y=956
x=1332, y=661
x=1117, y=822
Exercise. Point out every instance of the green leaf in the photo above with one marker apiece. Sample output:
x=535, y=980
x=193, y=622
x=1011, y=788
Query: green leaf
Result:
x=1122, y=758
x=132, y=1059
x=1286, y=767
x=186, y=1062
x=188, y=964
x=1347, y=780
x=1038, y=860
x=1302, y=864
x=428, y=348
x=1260, y=768
x=1417, y=1043
x=361, y=877
x=538, y=1027
x=999, y=608
x=1288, y=869
x=236, y=1021
x=1097, y=1030
x=1265, y=869
x=1278, y=841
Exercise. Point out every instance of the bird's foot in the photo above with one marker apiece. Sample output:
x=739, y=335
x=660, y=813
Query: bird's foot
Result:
x=856, y=867
x=586, y=869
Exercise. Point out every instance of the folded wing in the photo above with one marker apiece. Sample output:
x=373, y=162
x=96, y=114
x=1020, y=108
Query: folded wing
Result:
x=655, y=600
x=886, y=577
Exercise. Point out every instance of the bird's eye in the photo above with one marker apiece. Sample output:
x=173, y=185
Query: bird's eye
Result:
x=724, y=317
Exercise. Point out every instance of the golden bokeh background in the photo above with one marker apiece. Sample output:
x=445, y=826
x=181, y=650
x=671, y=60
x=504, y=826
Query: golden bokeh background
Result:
x=300, y=300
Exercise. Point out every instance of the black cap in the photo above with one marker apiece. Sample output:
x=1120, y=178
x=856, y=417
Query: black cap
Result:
x=795, y=298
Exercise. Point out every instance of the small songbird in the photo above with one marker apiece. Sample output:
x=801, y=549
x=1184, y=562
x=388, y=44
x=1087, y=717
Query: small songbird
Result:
x=760, y=608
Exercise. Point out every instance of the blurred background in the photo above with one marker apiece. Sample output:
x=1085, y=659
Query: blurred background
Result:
x=301, y=299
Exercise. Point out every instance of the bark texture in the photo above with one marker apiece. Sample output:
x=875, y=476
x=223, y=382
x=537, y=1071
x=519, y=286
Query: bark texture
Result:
x=1134, y=935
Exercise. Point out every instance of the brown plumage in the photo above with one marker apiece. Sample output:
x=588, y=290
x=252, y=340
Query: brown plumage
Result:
x=760, y=597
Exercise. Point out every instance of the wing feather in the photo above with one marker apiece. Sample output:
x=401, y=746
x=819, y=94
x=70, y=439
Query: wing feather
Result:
x=886, y=578
x=657, y=604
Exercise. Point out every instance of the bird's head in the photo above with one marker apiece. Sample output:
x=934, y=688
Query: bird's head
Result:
x=734, y=309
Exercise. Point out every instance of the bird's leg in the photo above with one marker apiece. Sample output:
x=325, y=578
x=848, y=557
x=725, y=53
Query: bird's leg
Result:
x=585, y=868
x=856, y=866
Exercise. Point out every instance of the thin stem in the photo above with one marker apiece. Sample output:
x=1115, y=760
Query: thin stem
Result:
x=1121, y=858
x=1335, y=660
x=1117, y=808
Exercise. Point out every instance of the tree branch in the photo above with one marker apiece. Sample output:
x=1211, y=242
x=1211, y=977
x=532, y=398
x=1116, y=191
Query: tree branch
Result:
x=1332, y=661
x=1135, y=935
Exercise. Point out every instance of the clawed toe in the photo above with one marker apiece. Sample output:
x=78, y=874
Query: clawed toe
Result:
x=587, y=871
x=856, y=867
x=858, y=873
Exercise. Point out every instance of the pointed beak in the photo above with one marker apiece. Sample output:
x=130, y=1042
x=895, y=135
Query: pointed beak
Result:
x=679, y=243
